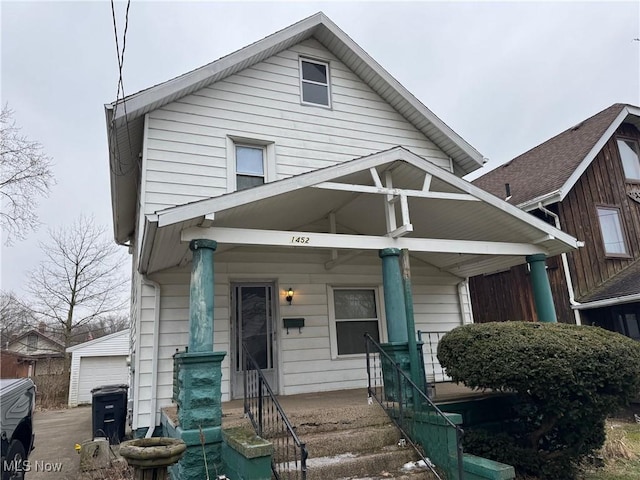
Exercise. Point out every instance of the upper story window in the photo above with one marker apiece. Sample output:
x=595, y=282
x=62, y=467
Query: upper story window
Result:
x=249, y=166
x=630, y=156
x=251, y=162
x=314, y=82
x=612, y=231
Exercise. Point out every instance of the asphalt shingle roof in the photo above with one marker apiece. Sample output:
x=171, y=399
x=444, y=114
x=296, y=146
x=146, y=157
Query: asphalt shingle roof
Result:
x=547, y=167
x=623, y=284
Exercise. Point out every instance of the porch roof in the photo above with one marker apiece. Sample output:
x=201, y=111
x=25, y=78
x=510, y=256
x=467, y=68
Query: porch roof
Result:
x=392, y=199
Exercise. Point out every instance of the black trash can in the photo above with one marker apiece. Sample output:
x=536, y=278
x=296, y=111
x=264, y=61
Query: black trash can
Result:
x=109, y=411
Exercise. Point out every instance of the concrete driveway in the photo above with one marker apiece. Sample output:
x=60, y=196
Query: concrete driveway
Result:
x=57, y=432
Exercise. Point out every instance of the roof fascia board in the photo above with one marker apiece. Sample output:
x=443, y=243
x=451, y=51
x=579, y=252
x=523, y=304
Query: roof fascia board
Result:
x=148, y=238
x=607, y=302
x=99, y=340
x=398, y=87
x=577, y=173
x=136, y=104
x=492, y=200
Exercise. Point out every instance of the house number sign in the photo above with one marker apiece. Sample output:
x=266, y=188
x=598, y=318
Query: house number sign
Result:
x=299, y=239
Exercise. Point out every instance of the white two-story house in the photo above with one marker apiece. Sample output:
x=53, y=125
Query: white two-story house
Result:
x=303, y=159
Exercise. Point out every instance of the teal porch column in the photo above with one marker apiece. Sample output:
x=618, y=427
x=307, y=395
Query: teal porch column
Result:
x=201, y=296
x=200, y=375
x=541, y=288
x=394, y=302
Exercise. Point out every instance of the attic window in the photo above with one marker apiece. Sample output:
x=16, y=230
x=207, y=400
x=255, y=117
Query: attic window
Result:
x=314, y=82
x=630, y=157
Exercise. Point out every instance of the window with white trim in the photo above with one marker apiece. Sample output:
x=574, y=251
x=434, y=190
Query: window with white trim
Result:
x=249, y=166
x=355, y=311
x=612, y=231
x=630, y=157
x=314, y=82
x=250, y=162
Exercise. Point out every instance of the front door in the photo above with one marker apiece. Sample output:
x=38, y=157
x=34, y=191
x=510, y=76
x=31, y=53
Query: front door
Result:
x=253, y=324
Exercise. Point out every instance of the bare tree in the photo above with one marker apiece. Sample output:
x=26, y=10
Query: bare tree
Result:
x=80, y=280
x=15, y=317
x=25, y=175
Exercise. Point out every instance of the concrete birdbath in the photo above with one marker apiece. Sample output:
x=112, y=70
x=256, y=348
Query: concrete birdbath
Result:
x=150, y=457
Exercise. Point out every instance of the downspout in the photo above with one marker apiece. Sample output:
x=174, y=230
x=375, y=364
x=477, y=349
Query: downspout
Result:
x=154, y=358
x=565, y=267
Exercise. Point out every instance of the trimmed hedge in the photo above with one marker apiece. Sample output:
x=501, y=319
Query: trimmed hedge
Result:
x=567, y=378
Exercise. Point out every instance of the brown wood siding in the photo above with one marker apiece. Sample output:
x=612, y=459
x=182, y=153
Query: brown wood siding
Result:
x=603, y=183
x=508, y=296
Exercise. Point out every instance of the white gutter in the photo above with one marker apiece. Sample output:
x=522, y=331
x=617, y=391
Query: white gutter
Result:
x=546, y=199
x=154, y=358
x=565, y=267
x=607, y=302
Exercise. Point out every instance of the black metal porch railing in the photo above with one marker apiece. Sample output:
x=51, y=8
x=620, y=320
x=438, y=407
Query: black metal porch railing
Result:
x=407, y=405
x=289, y=461
x=435, y=372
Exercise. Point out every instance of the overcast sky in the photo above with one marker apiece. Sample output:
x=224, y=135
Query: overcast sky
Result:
x=505, y=76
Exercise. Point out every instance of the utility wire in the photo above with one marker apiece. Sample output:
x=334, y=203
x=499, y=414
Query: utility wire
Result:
x=119, y=167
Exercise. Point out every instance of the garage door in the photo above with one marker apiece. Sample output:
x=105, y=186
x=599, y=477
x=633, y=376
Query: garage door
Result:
x=96, y=371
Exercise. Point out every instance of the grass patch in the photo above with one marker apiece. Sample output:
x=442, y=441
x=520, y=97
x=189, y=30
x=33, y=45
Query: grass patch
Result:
x=621, y=453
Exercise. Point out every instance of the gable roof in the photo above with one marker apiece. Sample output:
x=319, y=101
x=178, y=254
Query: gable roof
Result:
x=122, y=333
x=547, y=173
x=125, y=118
x=447, y=212
x=36, y=332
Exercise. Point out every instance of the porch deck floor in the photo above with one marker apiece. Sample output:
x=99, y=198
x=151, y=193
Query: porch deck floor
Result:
x=233, y=411
x=444, y=392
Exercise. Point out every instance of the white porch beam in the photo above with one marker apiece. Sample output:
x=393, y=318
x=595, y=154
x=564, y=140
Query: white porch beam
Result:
x=389, y=208
x=426, y=185
x=351, y=187
x=401, y=231
x=376, y=178
x=283, y=238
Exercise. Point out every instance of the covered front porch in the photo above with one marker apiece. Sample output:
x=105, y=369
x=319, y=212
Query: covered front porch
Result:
x=381, y=244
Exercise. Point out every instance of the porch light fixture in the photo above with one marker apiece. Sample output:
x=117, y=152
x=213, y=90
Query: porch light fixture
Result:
x=289, y=296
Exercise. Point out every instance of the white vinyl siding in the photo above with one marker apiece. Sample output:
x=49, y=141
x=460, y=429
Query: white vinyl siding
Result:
x=305, y=359
x=186, y=145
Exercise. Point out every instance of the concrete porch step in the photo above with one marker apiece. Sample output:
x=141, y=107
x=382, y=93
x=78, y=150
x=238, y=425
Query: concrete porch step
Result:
x=365, y=439
x=386, y=462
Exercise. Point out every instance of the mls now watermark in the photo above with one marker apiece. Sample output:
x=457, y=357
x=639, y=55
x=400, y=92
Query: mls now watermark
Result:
x=31, y=466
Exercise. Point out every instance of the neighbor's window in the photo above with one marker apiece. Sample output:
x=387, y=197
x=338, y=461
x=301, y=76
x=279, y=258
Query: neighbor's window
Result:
x=612, y=232
x=314, y=82
x=32, y=343
x=630, y=156
x=356, y=313
x=249, y=166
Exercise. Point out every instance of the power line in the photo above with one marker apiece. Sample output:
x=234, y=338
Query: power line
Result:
x=118, y=168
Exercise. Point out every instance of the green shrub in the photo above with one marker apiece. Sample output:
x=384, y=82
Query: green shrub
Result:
x=567, y=378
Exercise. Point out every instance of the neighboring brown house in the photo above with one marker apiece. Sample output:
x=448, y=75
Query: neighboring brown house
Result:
x=586, y=181
x=46, y=353
x=14, y=365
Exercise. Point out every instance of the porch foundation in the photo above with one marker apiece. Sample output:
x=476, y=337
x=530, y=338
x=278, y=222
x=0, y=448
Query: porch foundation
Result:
x=399, y=353
x=199, y=414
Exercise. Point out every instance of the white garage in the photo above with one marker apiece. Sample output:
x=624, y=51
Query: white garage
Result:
x=102, y=361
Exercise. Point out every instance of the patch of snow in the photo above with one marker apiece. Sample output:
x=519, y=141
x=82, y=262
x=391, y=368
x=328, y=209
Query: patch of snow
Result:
x=323, y=461
x=419, y=464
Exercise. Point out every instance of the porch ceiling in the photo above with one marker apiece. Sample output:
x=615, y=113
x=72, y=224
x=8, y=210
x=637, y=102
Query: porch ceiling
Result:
x=442, y=209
